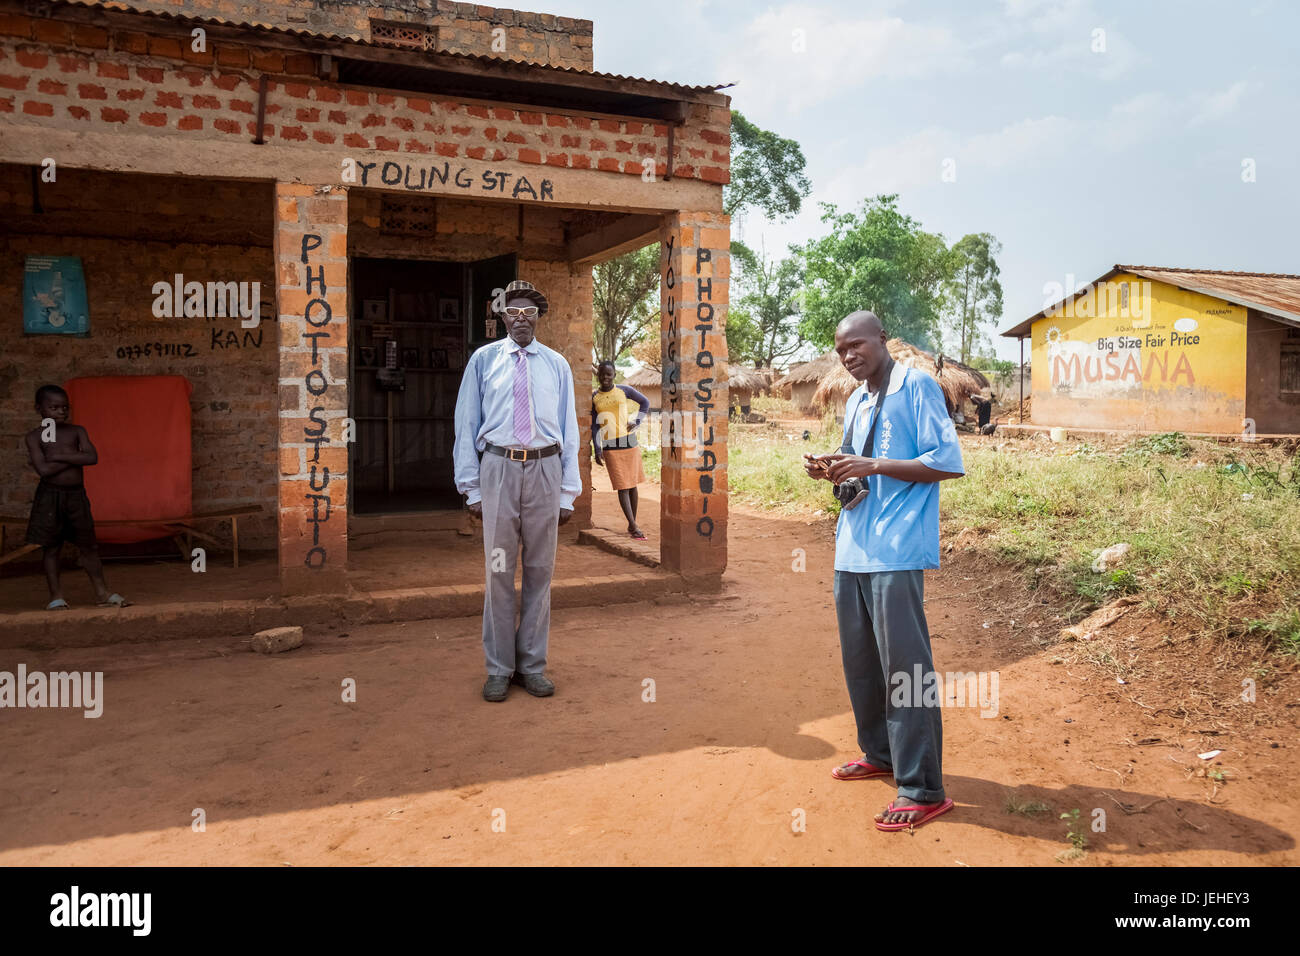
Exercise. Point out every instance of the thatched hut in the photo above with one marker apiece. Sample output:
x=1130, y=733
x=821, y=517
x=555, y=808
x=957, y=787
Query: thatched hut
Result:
x=800, y=383
x=649, y=382
x=743, y=384
x=959, y=382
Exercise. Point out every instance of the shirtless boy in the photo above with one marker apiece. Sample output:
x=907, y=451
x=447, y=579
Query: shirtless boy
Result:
x=58, y=450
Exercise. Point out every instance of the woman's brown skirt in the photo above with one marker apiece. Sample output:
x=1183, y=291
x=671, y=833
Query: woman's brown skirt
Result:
x=624, y=466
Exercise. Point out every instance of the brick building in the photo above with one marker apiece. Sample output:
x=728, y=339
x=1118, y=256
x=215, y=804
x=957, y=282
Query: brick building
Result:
x=376, y=170
x=1150, y=348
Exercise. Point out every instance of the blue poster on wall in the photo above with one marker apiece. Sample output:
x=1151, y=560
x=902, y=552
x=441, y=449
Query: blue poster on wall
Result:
x=54, y=296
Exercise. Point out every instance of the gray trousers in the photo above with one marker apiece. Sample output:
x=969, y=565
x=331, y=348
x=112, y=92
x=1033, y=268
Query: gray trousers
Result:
x=521, y=507
x=883, y=634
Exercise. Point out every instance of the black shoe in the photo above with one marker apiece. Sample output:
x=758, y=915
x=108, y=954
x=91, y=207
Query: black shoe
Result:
x=496, y=689
x=536, y=684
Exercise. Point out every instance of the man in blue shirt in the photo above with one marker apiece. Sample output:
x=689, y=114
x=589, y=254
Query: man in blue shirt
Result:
x=883, y=543
x=516, y=462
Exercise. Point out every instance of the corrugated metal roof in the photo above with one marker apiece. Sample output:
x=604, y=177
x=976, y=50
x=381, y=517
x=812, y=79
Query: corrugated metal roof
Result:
x=266, y=28
x=184, y=18
x=1275, y=293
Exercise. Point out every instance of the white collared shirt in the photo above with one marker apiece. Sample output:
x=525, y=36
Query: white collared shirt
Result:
x=485, y=412
x=866, y=406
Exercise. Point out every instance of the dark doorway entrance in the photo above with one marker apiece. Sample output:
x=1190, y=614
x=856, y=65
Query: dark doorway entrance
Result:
x=414, y=325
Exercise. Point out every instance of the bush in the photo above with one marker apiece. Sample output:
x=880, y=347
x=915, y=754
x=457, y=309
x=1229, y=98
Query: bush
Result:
x=1281, y=629
x=1204, y=539
x=1174, y=444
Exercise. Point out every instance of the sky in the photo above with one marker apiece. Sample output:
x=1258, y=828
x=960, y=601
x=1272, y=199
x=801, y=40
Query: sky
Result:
x=1079, y=133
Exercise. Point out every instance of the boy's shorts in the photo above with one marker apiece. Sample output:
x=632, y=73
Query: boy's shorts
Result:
x=61, y=514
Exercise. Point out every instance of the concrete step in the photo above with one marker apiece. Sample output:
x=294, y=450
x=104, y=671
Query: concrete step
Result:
x=93, y=627
x=642, y=552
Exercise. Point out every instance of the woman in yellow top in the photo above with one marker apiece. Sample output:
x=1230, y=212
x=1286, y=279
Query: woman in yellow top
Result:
x=614, y=439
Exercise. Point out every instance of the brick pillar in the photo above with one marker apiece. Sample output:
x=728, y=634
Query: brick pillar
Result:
x=312, y=295
x=696, y=270
x=582, y=336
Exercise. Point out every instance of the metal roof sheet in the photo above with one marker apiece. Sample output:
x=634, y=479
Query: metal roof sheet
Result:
x=1275, y=293
x=257, y=27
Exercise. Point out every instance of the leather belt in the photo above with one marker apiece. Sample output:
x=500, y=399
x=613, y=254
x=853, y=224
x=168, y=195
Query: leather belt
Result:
x=522, y=454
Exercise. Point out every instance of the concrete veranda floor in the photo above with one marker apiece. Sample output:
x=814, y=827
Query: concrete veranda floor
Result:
x=389, y=560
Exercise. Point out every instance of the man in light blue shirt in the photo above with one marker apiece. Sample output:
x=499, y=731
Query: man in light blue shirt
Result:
x=899, y=443
x=516, y=462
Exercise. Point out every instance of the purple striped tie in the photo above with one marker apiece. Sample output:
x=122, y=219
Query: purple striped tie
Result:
x=523, y=421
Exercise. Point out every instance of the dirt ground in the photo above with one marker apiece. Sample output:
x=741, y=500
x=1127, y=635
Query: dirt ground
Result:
x=749, y=715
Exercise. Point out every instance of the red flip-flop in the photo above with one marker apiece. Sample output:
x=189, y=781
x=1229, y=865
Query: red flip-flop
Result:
x=637, y=535
x=873, y=773
x=931, y=810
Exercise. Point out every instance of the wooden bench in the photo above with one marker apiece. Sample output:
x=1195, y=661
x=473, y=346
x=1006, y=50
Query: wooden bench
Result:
x=182, y=530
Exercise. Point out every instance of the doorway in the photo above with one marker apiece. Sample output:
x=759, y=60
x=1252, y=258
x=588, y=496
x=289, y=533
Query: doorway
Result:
x=415, y=324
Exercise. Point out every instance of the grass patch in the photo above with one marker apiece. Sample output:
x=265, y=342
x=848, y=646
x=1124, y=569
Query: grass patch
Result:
x=651, y=459
x=1025, y=808
x=1174, y=444
x=770, y=474
x=1280, y=629
x=1206, y=536
x=1214, y=532
x=1105, y=587
x=773, y=407
x=765, y=467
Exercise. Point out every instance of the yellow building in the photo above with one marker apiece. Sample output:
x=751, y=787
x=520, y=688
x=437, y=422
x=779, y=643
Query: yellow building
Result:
x=1156, y=349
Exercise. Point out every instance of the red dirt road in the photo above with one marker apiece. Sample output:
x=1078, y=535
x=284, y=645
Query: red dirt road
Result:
x=750, y=714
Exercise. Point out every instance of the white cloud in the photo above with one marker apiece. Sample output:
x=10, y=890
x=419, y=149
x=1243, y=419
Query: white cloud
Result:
x=1142, y=116
x=1018, y=142
x=1134, y=121
x=802, y=55
x=1217, y=105
x=1056, y=34
x=919, y=158
x=1044, y=16
x=1142, y=105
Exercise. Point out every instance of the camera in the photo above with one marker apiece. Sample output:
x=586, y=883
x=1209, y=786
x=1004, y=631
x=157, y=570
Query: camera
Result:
x=851, y=493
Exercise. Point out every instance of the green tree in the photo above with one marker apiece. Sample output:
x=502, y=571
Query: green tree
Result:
x=625, y=300
x=973, y=292
x=879, y=259
x=763, y=320
x=767, y=172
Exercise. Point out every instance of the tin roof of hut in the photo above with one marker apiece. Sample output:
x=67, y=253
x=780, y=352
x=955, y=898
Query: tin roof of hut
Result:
x=1275, y=293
